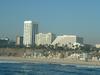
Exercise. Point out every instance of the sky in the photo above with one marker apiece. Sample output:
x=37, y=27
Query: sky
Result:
x=74, y=17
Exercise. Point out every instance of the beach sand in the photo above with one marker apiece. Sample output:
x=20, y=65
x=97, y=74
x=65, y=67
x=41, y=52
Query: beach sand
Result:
x=48, y=60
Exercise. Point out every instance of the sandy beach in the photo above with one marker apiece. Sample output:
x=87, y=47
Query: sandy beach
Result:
x=50, y=61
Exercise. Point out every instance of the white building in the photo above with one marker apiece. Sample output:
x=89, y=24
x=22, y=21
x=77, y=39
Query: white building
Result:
x=19, y=41
x=44, y=39
x=30, y=29
x=97, y=45
x=67, y=40
x=84, y=56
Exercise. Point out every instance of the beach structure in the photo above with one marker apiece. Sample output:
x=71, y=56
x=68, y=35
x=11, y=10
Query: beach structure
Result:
x=74, y=56
x=30, y=30
x=44, y=38
x=84, y=56
x=94, y=58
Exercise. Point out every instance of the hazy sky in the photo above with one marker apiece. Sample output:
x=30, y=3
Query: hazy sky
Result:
x=79, y=17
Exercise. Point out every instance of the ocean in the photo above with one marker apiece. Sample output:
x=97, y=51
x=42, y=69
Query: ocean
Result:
x=15, y=68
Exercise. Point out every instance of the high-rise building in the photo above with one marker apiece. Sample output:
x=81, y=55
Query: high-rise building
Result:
x=44, y=39
x=30, y=29
x=35, y=31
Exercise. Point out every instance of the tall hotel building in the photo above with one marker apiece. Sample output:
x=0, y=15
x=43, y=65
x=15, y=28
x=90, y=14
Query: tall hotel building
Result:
x=30, y=29
x=44, y=39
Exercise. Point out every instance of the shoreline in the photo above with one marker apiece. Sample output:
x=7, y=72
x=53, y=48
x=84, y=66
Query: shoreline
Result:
x=48, y=61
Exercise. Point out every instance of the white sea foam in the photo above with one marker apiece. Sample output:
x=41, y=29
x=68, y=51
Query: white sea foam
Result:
x=85, y=66
x=88, y=66
x=9, y=61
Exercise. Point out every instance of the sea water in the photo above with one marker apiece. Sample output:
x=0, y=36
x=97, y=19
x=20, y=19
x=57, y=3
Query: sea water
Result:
x=15, y=68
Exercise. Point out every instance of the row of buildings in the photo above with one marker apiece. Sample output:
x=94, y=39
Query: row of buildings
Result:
x=32, y=37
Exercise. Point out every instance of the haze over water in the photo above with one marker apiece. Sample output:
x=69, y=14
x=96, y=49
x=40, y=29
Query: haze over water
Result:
x=79, y=17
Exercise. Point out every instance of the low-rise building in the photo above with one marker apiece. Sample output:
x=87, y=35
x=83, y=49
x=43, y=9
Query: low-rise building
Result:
x=19, y=41
x=4, y=42
x=69, y=40
x=95, y=58
x=97, y=45
x=84, y=56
